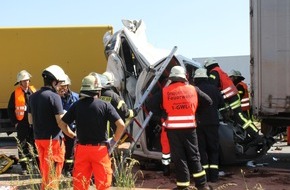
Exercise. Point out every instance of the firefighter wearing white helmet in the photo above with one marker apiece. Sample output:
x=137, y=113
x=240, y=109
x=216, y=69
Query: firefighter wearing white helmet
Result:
x=92, y=135
x=22, y=75
x=68, y=97
x=54, y=73
x=177, y=73
x=179, y=103
x=44, y=112
x=230, y=94
x=208, y=125
x=17, y=112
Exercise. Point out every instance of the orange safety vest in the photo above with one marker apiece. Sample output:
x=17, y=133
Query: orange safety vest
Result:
x=20, y=104
x=180, y=103
x=245, y=100
x=227, y=87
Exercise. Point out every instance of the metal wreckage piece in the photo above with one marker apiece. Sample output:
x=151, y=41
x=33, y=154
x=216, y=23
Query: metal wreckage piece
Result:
x=136, y=64
x=5, y=163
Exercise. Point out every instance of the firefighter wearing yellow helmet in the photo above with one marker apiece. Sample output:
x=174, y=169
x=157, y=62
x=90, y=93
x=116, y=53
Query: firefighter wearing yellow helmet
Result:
x=109, y=94
x=242, y=87
x=92, y=135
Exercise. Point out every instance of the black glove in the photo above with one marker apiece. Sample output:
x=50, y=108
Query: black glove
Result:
x=226, y=114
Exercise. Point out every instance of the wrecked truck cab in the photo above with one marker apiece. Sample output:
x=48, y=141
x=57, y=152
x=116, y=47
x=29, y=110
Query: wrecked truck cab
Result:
x=139, y=71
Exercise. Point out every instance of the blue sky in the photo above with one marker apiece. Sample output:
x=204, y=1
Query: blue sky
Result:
x=199, y=28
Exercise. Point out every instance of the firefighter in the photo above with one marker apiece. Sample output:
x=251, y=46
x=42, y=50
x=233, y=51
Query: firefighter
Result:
x=110, y=95
x=92, y=150
x=44, y=112
x=17, y=112
x=208, y=125
x=68, y=97
x=242, y=87
x=230, y=94
x=180, y=101
x=153, y=104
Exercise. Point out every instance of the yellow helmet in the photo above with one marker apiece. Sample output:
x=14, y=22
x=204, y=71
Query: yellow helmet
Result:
x=91, y=83
x=110, y=77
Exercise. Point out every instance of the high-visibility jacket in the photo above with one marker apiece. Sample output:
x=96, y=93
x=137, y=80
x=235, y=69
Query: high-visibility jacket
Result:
x=180, y=102
x=244, y=96
x=20, y=104
x=227, y=87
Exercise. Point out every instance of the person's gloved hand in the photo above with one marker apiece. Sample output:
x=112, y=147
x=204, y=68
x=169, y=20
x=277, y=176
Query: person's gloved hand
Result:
x=135, y=112
x=226, y=114
x=111, y=142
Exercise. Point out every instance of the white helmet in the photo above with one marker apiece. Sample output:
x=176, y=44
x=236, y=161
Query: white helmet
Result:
x=200, y=73
x=67, y=80
x=54, y=72
x=177, y=71
x=210, y=61
x=22, y=75
x=110, y=77
x=90, y=83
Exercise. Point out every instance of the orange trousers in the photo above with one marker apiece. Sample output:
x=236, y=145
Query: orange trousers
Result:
x=164, y=142
x=90, y=159
x=51, y=158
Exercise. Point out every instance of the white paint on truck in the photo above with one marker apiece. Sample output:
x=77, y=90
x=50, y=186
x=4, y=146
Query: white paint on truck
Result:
x=270, y=58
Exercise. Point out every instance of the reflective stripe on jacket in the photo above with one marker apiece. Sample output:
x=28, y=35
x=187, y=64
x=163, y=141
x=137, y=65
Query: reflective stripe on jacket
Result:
x=227, y=87
x=245, y=100
x=20, y=104
x=180, y=103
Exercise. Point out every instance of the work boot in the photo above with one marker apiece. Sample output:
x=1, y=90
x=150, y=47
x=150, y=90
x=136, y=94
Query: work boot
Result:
x=166, y=170
x=184, y=188
x=204, y=187
x=213, y=175
x=257, y=141
x=268, y=142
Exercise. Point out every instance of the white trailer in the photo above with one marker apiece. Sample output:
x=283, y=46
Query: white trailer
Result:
x=270, y=63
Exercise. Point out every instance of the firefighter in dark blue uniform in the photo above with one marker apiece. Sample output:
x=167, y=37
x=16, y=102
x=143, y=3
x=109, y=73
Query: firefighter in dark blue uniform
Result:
x=68, y=97
x=208, y=125
x=109, y=94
